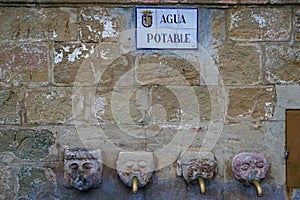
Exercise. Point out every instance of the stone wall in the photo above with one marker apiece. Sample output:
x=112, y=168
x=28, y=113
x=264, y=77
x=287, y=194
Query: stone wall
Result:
x=70, y=76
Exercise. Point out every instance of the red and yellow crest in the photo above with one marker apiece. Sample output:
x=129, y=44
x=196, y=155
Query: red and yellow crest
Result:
x=147, y=18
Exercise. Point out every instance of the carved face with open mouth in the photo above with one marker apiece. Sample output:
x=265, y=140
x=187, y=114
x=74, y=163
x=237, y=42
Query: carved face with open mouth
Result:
x=83, y=169
x=193, y=165
x=250, y=166
x=139, y=164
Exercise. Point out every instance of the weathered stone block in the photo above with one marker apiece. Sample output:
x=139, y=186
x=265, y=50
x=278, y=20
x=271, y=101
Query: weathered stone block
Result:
x=260, y=24
x=37, y=183
x=284, y=1
x=119, y=73
x=24, y=64
x=236, y=190
x=172, y=102
x=68, y=137
x=20, y=23
x=68, y=60
x=166, y=70
x=287, y=97
x=239, y=65
x=98, y=23
x=218, y=28
x=243, y=137
x=27, y=144
x=273, y=142
x=152, y=104
x=7, y=183
x=172, y=188
x=257, y=103
x=64, y=23
x=197, y=1
x=9, y=112
x=281, y=64
x=119, y=105
x=297, y=24
x=49, y=106
x=255, y=1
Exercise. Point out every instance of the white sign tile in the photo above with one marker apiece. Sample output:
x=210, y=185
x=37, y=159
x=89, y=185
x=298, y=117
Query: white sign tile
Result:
x=166, y=28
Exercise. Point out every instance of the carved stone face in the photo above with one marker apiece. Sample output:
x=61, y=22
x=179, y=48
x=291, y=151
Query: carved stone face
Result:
x=83, y=169
x=139, y=164
x=250, y=166
x=193, y=165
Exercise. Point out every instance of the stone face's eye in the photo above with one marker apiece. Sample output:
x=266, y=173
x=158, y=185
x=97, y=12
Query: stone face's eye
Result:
x=206, y=168
x=74, y=166
x=87, y=166
x=142, y=164
x=129, y=163
x=260, y=165
x=194, y=168
x=244, y=166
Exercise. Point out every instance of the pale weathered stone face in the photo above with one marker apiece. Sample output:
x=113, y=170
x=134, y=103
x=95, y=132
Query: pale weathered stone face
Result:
x=193, y=165
x=83, y=169
x=139, y=164
x=250, y=166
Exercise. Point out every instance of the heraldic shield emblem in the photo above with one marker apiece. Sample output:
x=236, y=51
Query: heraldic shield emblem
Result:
x=147, y=18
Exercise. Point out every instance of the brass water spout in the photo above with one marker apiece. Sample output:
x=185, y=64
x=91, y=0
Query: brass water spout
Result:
x=258, y=188
x=201, y=185
x=135, y=184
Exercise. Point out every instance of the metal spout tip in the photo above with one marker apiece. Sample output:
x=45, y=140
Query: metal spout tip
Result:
x=135, y=184
x=259, y=191
x=201, y=185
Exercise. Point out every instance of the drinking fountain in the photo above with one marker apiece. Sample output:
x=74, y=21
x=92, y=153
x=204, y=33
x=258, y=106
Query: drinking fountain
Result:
x=135, y=169
x=197, y=167
x=250, y=169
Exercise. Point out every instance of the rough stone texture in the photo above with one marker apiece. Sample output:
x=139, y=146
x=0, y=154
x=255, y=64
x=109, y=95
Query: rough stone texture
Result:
x=255, y=1
x=154, y=104
x=212, y=27
x=281, y=64
x=297, y=23
x=27, y=144
x=275, y=148
x=233, y=143
x=235, y=190
x=259, y=24
x=257, y=103
x=166, y=70
x=7, y=183
x=98, y=23
x=284, y=1
x=25, y=24
x=69, y=58
x=240, y=65
x=117, y=71
x=287, y=98
x=24, y=65
x=49, y=106
x=9, y=107
x=37, y=183
x=68, y=137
